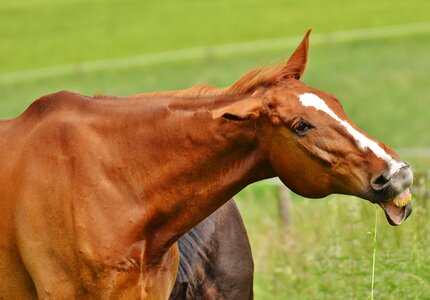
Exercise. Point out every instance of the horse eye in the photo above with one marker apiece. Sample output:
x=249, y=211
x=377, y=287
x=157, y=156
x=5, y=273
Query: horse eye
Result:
x=301, y=128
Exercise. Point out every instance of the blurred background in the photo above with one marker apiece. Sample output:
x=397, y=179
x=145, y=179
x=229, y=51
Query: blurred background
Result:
x=374, y=55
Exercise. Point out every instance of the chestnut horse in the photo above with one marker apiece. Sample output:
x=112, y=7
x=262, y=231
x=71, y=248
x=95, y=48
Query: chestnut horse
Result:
x=95, y=194
x=215, y=259
x=215, y=256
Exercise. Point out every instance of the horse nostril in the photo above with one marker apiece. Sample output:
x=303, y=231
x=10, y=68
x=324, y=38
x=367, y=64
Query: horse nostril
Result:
x=380, y=182
x=402, y=179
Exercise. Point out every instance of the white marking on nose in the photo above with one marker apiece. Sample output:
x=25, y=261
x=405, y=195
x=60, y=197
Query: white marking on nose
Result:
x=363, y=142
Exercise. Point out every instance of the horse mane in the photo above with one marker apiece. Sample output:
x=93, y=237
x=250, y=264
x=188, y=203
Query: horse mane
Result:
x=248, y=83
x=195, y=256
x=260, y=77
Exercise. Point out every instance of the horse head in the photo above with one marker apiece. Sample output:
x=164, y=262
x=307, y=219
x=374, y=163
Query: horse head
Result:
x=311, y=144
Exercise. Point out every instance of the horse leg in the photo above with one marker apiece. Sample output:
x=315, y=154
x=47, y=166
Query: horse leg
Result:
x=129, y=278
x=159, y=280
x=16, y=283
x=133, y=278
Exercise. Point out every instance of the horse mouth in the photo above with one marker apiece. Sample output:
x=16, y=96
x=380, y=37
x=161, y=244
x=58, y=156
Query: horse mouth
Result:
x=398, y=208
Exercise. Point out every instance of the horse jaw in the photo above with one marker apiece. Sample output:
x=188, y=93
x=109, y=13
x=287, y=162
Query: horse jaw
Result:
x=397, y=209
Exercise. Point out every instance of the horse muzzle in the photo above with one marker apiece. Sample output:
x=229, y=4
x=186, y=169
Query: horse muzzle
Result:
x=392, y=193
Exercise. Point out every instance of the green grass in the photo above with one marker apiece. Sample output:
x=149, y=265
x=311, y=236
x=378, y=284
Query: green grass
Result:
x=383, y=84
x=326, y=253
x=47, y=32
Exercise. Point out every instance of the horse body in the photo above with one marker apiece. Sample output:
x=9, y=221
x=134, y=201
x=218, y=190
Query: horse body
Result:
x=95, y=193
x=216, y=260
x=68, y=174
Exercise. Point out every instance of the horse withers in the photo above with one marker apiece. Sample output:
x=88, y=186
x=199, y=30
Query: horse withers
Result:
x=95, y=193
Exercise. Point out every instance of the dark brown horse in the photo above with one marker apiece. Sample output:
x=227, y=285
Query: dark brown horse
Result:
x=95, y=194
x=215, y=259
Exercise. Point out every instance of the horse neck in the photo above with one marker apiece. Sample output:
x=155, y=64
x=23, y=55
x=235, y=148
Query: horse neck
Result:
x=186, y=163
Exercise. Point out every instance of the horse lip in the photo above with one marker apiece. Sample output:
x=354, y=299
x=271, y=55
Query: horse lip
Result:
x=395, y=215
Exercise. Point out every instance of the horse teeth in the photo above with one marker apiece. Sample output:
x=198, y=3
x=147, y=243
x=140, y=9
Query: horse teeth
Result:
x=402, y=199
x=397, y=202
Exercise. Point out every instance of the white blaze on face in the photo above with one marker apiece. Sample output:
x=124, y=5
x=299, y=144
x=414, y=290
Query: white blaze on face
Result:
x=363, y=142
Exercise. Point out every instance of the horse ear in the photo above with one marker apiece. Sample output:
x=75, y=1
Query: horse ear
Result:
x=243, y=110
x=296, y=65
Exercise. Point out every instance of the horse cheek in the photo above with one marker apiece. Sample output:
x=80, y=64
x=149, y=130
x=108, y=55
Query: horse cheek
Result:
x=297, y=168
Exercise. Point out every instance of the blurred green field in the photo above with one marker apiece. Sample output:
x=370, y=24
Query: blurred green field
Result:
x=382, y=83
x=38, y=33
x=326, y=253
